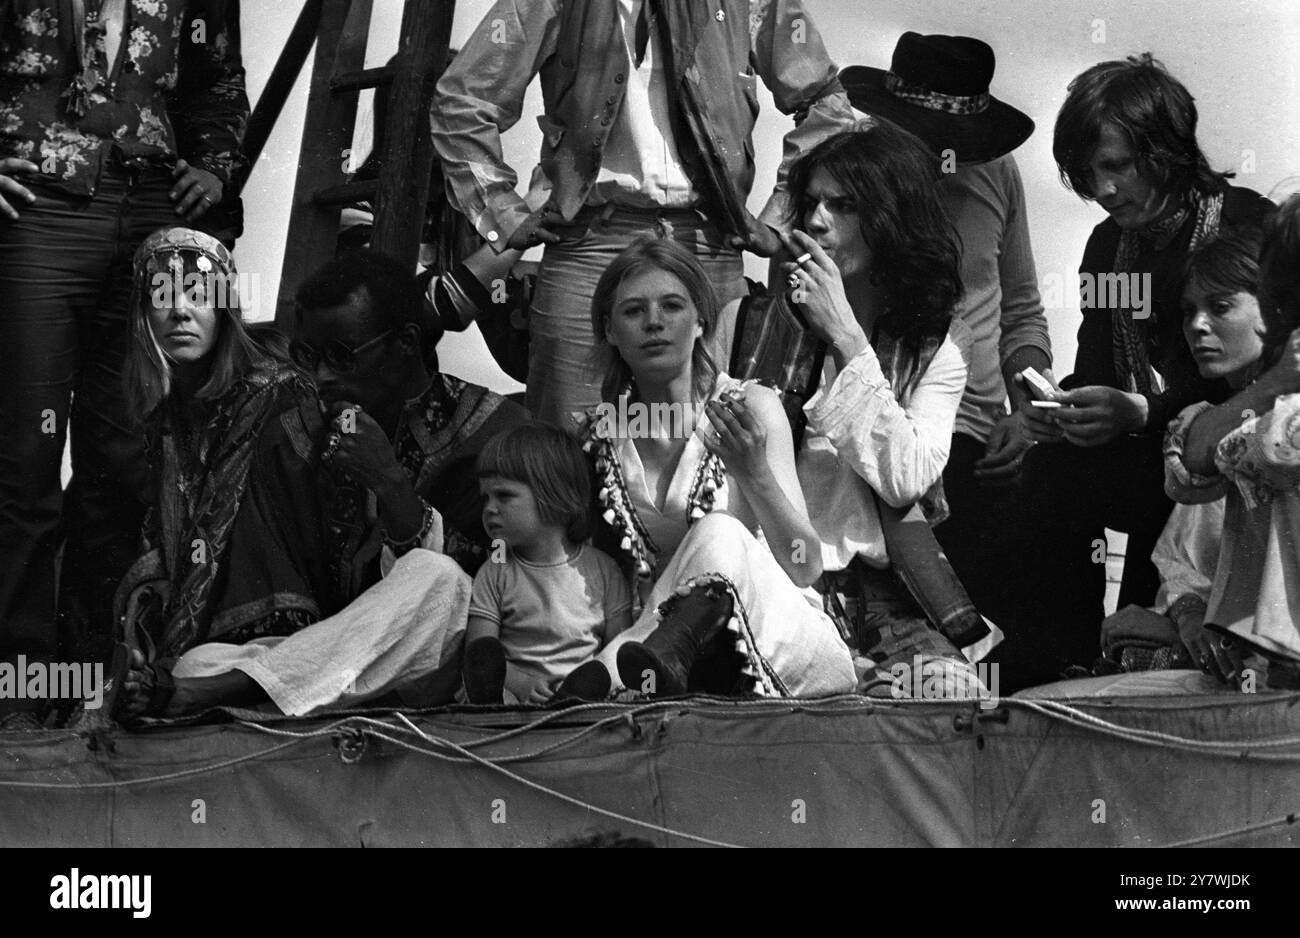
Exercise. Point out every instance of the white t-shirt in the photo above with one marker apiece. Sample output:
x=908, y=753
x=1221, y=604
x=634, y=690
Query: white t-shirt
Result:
x=552, y=616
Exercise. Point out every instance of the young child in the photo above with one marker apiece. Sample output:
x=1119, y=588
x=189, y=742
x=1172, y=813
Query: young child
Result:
x=545, y=601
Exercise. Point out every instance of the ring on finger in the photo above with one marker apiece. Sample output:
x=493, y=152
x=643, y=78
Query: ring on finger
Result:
x=794, y=281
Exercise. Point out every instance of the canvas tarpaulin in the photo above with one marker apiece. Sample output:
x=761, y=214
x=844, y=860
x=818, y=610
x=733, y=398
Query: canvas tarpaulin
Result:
x=846, y=771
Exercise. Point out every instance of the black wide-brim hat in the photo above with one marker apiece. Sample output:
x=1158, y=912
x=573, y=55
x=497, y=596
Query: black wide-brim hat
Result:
x=938, y=88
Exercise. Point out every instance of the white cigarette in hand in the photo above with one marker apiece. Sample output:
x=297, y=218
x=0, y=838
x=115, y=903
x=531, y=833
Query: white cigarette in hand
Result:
x=803, y=259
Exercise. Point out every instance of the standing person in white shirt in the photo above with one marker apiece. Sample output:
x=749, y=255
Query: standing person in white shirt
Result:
x=937, y=87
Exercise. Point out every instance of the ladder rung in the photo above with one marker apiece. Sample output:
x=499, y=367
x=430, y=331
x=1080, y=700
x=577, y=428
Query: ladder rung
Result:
x=366, y=78
x=347, y=192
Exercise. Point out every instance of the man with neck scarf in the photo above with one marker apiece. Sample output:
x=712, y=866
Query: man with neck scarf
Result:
x=1126, y=139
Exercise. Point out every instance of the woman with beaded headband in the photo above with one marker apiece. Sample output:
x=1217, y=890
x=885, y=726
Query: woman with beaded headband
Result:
x=240, y=598
x=207, y=389
x=697, y=486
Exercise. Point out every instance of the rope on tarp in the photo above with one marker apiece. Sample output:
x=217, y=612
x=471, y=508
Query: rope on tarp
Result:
x=557, y=714
x=1236, y=832
x=622, y=716
x=378, y=728
x=296, y=739
x=635, y=711
x=568, y=799
x=1064, y=712
x=375, y=727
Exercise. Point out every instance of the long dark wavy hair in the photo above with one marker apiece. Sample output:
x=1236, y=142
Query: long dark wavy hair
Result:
x=654, y=254
x=892, y=178
x=1279, y=279
x=1152, y=108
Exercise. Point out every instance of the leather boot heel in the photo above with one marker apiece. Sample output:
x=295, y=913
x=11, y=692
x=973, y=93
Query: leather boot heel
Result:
x=688, y=624
x=589, y=681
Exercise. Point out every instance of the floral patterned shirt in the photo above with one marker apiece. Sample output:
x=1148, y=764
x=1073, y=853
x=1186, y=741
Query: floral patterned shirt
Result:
x=1257, y=580
x=175, y=90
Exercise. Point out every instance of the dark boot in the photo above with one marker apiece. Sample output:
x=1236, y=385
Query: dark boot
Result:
x=668, y=654
x=588, y=681
x=484, y=671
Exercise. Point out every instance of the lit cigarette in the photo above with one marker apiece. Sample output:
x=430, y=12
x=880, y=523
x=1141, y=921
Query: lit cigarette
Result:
x=803, y=259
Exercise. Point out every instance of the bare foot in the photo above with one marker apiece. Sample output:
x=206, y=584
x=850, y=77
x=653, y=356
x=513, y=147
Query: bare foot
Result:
x=191, y=694
x=137, y=688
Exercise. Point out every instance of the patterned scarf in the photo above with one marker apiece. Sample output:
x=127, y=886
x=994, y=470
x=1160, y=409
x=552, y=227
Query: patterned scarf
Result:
x=204, y=471
x=1128, y=333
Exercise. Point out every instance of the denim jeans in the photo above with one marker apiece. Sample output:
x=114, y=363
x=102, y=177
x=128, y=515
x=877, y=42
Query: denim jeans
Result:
x=65, y=280
x=563, y=371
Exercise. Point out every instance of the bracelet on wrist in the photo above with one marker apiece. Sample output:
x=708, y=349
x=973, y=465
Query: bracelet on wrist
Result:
x=415, y=540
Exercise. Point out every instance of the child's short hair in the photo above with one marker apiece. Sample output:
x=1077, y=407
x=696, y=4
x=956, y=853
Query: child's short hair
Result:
x=552, y=465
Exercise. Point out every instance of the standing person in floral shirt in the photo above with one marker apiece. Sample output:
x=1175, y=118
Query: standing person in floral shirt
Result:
x=117, y=117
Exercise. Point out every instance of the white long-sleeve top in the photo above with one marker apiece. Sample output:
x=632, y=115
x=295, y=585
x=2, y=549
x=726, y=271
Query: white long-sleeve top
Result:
x=1187, y=553
x=860, y=438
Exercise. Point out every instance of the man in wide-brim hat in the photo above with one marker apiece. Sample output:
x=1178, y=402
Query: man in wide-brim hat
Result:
x=937, y=87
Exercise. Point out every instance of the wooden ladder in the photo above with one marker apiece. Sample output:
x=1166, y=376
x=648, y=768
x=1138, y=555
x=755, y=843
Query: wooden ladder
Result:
x=340, y=29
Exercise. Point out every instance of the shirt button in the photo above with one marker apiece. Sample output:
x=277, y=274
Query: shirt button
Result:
x=618, y=79
x=604, y=122
x=493, y=237
x=611, y=100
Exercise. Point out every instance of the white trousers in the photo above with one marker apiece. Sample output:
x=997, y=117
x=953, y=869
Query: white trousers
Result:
x=404, y=634
x=793, y=647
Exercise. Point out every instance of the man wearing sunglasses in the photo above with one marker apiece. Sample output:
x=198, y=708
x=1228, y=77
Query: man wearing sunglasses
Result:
x=397, y=437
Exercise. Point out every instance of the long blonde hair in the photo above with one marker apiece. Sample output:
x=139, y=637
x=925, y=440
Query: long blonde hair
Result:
x=651, y=253
x=148, y=372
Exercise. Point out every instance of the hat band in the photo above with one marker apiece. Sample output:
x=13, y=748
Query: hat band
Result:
x=933, y=100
